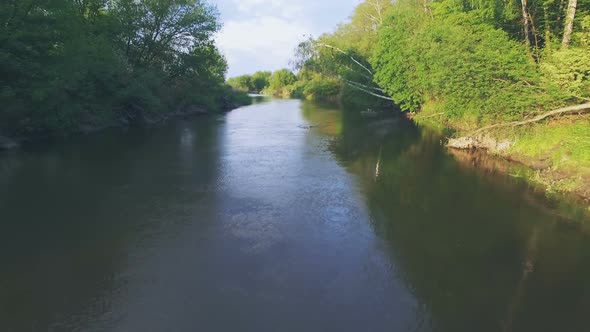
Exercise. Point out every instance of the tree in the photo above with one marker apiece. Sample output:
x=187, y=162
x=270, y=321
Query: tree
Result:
x=569, y=22
x=242, y=82
x=525, y=23
x=157, y=30
x=343, y=56
x=67, y=65
x=281, y=78
x=260, y=80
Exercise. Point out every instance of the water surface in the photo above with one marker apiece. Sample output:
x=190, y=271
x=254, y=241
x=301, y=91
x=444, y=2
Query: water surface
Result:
x=255, y=221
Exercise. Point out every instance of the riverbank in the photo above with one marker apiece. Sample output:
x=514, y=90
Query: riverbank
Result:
x=556, y=152
x=134, y=117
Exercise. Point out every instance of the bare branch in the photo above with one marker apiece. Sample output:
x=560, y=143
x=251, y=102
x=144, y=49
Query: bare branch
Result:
x=351, y=57
x=363, y=85
x=369, y=92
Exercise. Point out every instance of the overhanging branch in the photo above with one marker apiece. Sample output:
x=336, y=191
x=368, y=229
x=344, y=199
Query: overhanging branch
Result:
x=360, y=88
x=351, y=57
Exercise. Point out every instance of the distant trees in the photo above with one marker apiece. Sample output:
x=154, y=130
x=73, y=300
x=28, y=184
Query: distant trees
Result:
x=243, y=83
x=251, y=83
x=279, y=83
x=281, y=79
x=260, y=80
x=66, y=65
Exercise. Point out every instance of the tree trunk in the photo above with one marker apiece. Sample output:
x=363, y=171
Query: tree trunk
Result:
x=536, y=36
x=547, y=41
x=569, y=23
x=525, y=24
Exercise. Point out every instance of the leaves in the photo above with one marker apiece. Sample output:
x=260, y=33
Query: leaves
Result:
x=474, y=72
x=66, y=64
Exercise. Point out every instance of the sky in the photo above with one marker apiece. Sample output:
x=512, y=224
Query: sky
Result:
x=262, y=34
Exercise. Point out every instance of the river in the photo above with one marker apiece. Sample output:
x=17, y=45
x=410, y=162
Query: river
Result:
x=282, y=216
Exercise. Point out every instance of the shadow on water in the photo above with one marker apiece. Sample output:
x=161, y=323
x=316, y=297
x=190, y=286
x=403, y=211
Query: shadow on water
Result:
x=480, y=250
x=74, y=214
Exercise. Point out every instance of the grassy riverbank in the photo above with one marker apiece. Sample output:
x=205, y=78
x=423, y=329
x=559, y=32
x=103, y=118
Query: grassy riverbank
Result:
x=556, y=152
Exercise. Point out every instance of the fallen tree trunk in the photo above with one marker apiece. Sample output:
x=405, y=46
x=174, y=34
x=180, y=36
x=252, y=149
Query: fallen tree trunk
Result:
x=479, y=140
x=563, y=110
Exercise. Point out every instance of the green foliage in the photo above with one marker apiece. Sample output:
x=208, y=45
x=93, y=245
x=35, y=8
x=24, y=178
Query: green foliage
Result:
x=235, y=98
x=565, y=143
x=251, y=83
x=242, y=83
x=583, y=35
x=395, y=63
x=562, y=144
x=474, y=72
x=360, y=34
x=69, y=65
x=260, y=80
x=570, y=69
x=341, y=59
x=282, y=83
x=322, y=89
x=280, y=79
x=470, y=59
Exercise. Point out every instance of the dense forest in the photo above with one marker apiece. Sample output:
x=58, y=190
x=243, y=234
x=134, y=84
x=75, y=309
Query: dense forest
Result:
x=68, y=66
x=516, y=73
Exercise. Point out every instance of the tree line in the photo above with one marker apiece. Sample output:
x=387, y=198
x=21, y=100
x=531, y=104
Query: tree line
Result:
x=71, y=65
x=472, y=62
x=284, y=83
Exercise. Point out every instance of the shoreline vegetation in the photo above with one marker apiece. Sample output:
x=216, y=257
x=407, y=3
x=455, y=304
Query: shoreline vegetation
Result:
x=73, y=67
x=510, y=78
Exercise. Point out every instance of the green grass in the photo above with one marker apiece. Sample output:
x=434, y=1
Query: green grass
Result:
x=565, y=143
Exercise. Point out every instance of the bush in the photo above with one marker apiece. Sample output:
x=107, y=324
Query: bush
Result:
x=469, y=68
x=570, y=69
x=322, y=89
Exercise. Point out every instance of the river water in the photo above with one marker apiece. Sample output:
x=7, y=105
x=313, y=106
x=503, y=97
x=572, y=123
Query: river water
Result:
x=255, y=221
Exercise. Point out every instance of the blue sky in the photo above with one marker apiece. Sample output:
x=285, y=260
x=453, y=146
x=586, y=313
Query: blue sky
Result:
x=262, y=34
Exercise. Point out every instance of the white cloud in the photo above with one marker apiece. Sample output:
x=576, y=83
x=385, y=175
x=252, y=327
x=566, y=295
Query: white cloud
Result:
x=267, y=38
x=283, y=8
x=262, y=34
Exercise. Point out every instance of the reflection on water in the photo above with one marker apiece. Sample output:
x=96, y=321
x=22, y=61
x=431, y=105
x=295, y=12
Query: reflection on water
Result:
x=283, y=216
x=73, y=216
x=480, y=250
